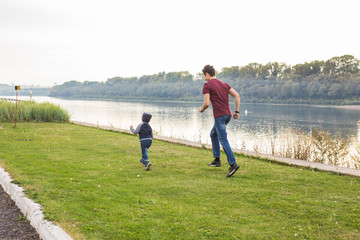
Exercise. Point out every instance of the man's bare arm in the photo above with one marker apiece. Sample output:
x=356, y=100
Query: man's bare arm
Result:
x=233, y=93
x=206, y=103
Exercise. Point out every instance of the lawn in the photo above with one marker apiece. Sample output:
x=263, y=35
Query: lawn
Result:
x=91, y=183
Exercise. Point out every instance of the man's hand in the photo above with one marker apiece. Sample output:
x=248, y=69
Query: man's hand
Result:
x=131, y=126
x=236, y=116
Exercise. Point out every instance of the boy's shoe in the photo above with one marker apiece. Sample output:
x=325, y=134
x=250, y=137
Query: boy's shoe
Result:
x=143, y=163
x=232, y=170
x=147, y=167
x=215, y=163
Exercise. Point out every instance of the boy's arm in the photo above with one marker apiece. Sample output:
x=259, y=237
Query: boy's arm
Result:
x=137, y=130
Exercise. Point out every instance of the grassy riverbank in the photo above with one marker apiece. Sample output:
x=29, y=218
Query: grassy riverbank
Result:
x=91, y=183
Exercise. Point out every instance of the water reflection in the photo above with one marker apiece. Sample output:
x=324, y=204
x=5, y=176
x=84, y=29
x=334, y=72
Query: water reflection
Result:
x=258, y=123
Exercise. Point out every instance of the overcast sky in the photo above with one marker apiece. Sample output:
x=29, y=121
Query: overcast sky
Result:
x=47, y=42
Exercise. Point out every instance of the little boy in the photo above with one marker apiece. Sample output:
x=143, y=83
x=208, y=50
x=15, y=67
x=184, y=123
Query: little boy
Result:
x=146, y=135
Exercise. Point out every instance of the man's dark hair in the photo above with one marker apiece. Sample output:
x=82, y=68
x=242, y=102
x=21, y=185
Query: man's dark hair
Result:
x=209, y=69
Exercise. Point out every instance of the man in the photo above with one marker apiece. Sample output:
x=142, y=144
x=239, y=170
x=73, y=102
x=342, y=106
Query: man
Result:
x=217, y=92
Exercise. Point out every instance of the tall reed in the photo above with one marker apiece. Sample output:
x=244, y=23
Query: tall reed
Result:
x=320, y=147
x=353, y=159
x=327, y=149
x=32, y=111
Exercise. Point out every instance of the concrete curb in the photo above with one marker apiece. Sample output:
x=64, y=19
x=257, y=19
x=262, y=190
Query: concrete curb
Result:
x=32, y=210
x=287, y=161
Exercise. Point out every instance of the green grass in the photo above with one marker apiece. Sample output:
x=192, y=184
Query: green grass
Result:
x=32, y=111
x=91, y=183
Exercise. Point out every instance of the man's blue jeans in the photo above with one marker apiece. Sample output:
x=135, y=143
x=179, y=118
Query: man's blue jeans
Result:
x=145, y=144
x=218, y=135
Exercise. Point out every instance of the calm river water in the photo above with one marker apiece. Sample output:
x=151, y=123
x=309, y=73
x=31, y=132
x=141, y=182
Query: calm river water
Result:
x=258, y=123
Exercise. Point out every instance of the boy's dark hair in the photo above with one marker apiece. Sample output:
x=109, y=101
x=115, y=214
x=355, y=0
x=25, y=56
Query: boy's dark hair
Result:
x=209, y=69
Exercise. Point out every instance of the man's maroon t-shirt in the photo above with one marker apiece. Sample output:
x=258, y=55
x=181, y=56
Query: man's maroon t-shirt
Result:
x=219, y=97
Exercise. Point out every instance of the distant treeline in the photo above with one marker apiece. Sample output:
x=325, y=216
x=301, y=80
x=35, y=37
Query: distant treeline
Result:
x=8, y=90
x=335, y=81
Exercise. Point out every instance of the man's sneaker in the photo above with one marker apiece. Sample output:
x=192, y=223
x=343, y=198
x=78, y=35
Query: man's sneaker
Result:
x=215, y=163
x=143, y=163
x=232, y=170
x=147, y=167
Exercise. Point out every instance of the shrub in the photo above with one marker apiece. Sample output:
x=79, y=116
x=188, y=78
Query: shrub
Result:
x=32, y=111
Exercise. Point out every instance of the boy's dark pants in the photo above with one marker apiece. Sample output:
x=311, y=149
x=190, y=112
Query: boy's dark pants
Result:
x=145, y=145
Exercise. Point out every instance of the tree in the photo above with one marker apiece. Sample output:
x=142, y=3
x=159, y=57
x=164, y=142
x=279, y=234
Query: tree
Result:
x=348, y=64
x=316, y=67
x=286, y=91
x=199, y=76
x=336, y=91
x=342, y=65
x=330, y=67
x=144, y=79
x=231, y=73
x=313, y=90
x=157, y=77
x=251, y=70
x=303, y=70
x=185, y=76
x=296, y=91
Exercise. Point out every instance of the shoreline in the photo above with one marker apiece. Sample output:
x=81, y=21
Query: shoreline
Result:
x=349, y=107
